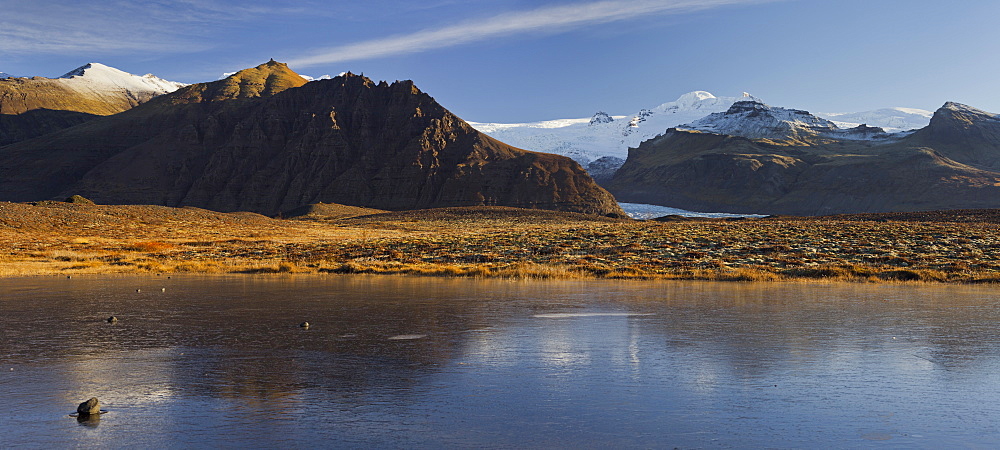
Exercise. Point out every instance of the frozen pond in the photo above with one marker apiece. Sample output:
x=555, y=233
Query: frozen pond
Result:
x=410, y=362
x=645, y=212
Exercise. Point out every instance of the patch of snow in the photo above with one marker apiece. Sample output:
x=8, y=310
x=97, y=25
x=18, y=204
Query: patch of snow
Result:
x=645, y=212
x=321, y=77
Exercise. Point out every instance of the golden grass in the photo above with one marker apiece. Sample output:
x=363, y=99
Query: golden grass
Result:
x=55, y=238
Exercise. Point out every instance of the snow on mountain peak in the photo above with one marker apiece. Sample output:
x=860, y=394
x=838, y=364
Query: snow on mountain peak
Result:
x=692, y=98
x=94, y=69
x=5, y=75
x=97, y=76
x=752, y=118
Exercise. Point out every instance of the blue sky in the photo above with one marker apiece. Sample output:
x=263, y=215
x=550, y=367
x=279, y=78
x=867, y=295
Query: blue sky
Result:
x=518, y=60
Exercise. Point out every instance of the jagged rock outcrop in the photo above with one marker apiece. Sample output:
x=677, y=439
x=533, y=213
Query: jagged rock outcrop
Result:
x=264, y=140
x=601, y=117
x=952, y=163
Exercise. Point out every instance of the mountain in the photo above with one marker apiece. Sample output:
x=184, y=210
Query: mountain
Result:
x=747, y=161
x=5, y=75
x=756, y=120
x=31, y=107
x=93, y=89
x=590, y=139
x=266, y=140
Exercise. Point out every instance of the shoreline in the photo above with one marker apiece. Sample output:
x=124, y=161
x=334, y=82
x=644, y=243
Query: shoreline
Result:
x=51, y=238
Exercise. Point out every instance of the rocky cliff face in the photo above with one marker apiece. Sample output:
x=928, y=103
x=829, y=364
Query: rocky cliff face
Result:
x=263, y=140
x=952, y=163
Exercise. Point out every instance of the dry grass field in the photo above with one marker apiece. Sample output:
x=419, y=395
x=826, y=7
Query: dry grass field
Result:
x=65, y=238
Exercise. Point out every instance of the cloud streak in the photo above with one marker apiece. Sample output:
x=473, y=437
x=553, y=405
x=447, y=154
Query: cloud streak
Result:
x=115, y=26
x=544, y=20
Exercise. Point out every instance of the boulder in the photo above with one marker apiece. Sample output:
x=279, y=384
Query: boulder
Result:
x=92, y=406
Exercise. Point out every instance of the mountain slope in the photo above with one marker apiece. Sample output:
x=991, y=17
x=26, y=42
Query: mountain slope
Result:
x=952, y=163
x=93, y=89
x=265, y=140
x=31, y=107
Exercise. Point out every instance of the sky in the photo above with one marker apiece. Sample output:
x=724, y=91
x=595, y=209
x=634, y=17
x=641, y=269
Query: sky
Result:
x=522, y=61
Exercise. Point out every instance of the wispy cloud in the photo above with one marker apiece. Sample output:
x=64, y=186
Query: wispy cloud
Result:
x=552, y=19
x=102, y=27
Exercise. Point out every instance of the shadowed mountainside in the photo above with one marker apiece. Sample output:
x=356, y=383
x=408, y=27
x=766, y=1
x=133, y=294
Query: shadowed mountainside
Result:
x=264, y=140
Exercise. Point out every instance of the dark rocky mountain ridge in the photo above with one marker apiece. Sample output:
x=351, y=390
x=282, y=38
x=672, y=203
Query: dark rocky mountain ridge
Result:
x=264, y=140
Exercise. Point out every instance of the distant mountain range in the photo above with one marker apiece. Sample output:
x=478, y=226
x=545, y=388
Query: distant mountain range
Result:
x=266, y=140
x=755, y=158
x=604, y=136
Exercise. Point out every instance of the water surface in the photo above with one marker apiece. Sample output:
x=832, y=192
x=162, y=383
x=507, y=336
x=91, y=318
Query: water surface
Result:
x=409, y=362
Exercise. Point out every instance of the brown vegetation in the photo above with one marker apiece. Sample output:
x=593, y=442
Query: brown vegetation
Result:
x=64, y=238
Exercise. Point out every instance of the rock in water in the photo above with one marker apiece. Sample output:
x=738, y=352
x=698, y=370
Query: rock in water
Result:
x=112, y=319
x=92, y=406
x=304, y=325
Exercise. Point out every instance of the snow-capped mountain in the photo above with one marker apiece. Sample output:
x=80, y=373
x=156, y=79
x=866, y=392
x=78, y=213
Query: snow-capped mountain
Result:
x=756, y=120
x=6, y=75
x=890, y=119
x=92, y=89
x=99, y=77
x=591, y=138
